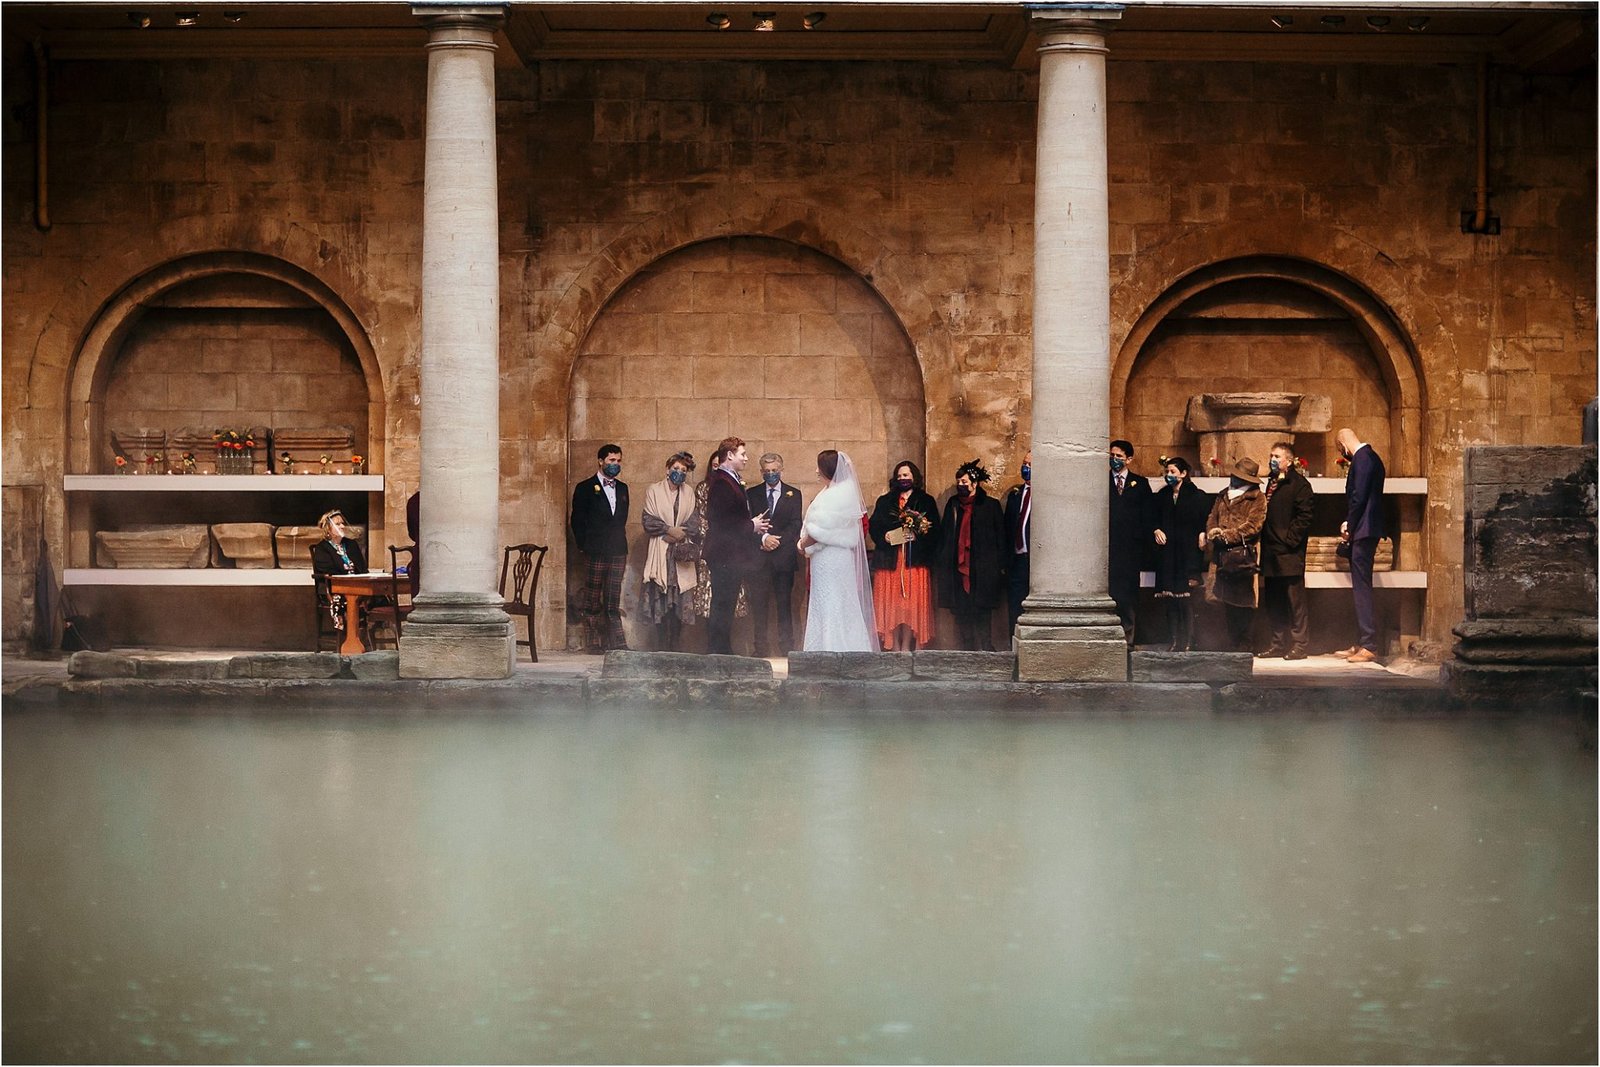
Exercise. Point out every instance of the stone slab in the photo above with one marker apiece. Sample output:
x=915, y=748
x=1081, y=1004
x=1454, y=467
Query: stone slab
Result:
x=101, y=665
x=474, y=656
x=1560, y=630
x=1072, y=661
x=375, y=666
x=732, y=694
x=286, y=665
x=183, y=668
x=882, y=666
x=1210, y=667
x=1522, y=687
x=1402, y=697
x=939, y=698
x=619, y=664
x=634, y=692
x=957, y=666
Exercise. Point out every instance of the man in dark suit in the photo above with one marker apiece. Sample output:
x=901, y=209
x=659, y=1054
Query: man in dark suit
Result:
x=1290, y=501
x=733, y=541
x=1019, y=531
x=600, y=528
x=1130, y=535
x=1362, y=528
x=772, y=579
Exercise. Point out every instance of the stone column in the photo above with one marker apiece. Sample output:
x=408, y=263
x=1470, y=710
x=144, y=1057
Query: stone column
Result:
x=1069, y=629
x=457, y=628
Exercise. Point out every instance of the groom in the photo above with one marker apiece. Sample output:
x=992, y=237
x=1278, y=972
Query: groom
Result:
x=733, y=541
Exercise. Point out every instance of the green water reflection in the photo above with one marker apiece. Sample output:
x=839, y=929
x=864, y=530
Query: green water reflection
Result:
x=615, y=888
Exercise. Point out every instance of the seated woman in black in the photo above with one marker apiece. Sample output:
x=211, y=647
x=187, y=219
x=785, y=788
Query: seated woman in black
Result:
x=337, y=553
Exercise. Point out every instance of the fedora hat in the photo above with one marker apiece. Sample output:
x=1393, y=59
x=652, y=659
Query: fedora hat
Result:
x=1247, y=468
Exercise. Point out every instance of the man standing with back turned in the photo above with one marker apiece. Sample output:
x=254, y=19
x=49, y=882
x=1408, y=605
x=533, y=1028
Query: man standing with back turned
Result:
x=1362, y=529
x=733, y=541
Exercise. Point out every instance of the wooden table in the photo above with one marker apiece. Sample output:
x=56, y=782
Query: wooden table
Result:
x=356, y=589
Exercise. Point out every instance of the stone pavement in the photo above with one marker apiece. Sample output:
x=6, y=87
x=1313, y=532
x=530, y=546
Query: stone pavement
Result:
x=931, y=682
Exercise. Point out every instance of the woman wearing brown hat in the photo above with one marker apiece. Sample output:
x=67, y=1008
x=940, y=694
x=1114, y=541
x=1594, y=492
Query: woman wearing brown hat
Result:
x=1233, y=530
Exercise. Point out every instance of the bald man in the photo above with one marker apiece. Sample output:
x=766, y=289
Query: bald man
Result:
x=1362, y=528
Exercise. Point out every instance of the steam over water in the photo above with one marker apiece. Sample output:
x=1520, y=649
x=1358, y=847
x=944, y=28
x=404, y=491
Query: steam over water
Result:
x=607, y=887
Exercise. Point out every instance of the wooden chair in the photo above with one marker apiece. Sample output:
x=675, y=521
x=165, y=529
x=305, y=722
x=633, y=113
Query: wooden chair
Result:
x=393, y=614
x=328, y=636
x=524, y=573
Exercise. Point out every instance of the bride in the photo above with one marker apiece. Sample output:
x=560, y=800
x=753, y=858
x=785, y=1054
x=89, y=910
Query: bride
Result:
x=839, y=618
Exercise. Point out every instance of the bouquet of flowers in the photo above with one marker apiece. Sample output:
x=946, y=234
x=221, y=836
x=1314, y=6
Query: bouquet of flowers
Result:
x=1343, y=466
x=235, y=451
x=914, y=522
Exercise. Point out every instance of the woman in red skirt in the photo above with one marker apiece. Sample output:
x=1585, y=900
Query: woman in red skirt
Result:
x=905, y=536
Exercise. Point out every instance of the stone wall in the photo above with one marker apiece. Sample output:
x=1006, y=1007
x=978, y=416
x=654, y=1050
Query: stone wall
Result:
x=913, y=179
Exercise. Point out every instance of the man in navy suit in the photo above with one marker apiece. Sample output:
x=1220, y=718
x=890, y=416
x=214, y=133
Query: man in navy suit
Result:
x=1019, y=531
x=733, y=541
x=600, y=527
x=772, y=580
x=1130, y=535
x=1362, y=528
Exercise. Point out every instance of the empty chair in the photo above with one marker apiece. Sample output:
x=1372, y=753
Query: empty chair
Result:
x=392, y=615
x=524, y=575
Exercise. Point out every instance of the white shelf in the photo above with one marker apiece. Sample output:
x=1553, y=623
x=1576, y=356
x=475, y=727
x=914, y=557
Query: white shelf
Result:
x=223, y=483
x=212, y=576
x=1337, y=579
x=1320, y=486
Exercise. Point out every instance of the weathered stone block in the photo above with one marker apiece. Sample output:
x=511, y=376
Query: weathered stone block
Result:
x=876, y=666
x=1522, y=687
x=734, y=694
x=958, y=666
x=101, y=665
x=1213, y=667
x=201, y=669
x=806, y=665
x=166, y=547
x=634, y=692
x=682, y=665
x=248, y=544
x=1072, y=661
x=452, y=656
x=375, y=666
x=285, y=665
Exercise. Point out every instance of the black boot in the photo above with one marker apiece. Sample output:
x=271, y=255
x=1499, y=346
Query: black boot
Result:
x=1186, y=626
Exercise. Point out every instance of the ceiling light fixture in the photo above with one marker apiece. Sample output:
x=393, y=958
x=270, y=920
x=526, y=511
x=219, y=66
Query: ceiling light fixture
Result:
x=1417, y=22
x=814, y=19
x=139, y=19
x=233, y=16
x=766, y=21
x=187, y=18
x=1378, y=22
x=720, y=21
x=1283, y=22
x=1333, y=20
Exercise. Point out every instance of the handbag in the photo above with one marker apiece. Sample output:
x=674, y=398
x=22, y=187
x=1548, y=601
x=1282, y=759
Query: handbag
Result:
x=1239, y=559
x=685, y=551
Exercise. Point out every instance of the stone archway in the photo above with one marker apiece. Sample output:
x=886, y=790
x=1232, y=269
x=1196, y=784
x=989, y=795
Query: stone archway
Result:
x=751, y=336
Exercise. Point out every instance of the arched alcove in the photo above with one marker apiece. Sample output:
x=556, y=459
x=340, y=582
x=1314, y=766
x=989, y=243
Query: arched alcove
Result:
x=751, y=336
x=1270, y=323
x=223, y=338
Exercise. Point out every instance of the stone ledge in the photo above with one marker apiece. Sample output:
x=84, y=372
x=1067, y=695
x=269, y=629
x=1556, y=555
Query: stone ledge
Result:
x=965, y=698
x=375, y=666
x=878, y=666
x=1400, y=698
x=332, y=696
x=182, y=668
x=1522, y=687
x=286, y=665
x=624, y=692
x=732, y=694
x=1217, y=668
x=958, y=666
x=682, y=665
x=101, y=665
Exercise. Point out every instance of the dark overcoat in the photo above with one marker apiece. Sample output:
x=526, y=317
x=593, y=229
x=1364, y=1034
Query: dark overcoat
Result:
x=1183, y=520
x=785, y=526
x=730, y=539
x=988, y=555
x=1283, y=537
x=325, y=559
x=597, y=531
x=1130, y=524
x=924, y=551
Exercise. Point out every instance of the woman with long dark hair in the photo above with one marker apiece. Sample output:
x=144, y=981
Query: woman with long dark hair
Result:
x=972, y=557
x=905, y=536
x=1181, y=510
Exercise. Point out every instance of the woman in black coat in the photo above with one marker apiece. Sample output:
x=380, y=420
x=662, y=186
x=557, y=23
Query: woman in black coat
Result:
x=337, y=553
x=1181, y=510
x=972, y=546
x=905, y=537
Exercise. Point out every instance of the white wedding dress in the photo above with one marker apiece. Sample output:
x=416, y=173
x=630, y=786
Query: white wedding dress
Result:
x=839, y=618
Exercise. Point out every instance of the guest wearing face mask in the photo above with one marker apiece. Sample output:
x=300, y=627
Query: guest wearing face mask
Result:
x=772, y=580
x=672, y=523
x=1233, y=530
x=1181, y=511
x=1130, y=521
x=1290, y=502
x=905, y=537
x=1019, y=531
x=972, y=552
x=600, y=528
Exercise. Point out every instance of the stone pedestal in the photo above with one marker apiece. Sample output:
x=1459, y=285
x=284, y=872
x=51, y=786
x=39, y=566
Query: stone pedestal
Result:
x=457, y=628
x=1232, y=426
x=1069, y=630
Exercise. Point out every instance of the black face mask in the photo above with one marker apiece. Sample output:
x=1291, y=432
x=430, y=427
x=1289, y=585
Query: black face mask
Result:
x=903, y=484
x=963, y=491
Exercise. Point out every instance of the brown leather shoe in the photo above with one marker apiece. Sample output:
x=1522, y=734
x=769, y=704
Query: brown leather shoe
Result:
x=1346, y=653
x=1362, y=655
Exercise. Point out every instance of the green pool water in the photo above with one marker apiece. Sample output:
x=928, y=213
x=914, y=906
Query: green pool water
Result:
x=618, y=888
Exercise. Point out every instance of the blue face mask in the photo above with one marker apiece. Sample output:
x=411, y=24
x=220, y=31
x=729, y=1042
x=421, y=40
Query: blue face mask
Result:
x=1027, y=472
x=1171, y=479
x=1117, y=463
x=772, y=477
x=676, y=477
x=1272, y=464
x=612, y=469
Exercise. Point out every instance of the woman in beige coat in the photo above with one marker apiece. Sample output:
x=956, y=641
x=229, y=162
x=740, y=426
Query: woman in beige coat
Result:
x=1233, y=530
x=670, y=518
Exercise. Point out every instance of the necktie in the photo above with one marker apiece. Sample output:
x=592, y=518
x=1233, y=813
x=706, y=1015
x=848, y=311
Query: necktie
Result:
x=1273, y=485
x=1023, y=512
x=772, y=499
x=1119, y=483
